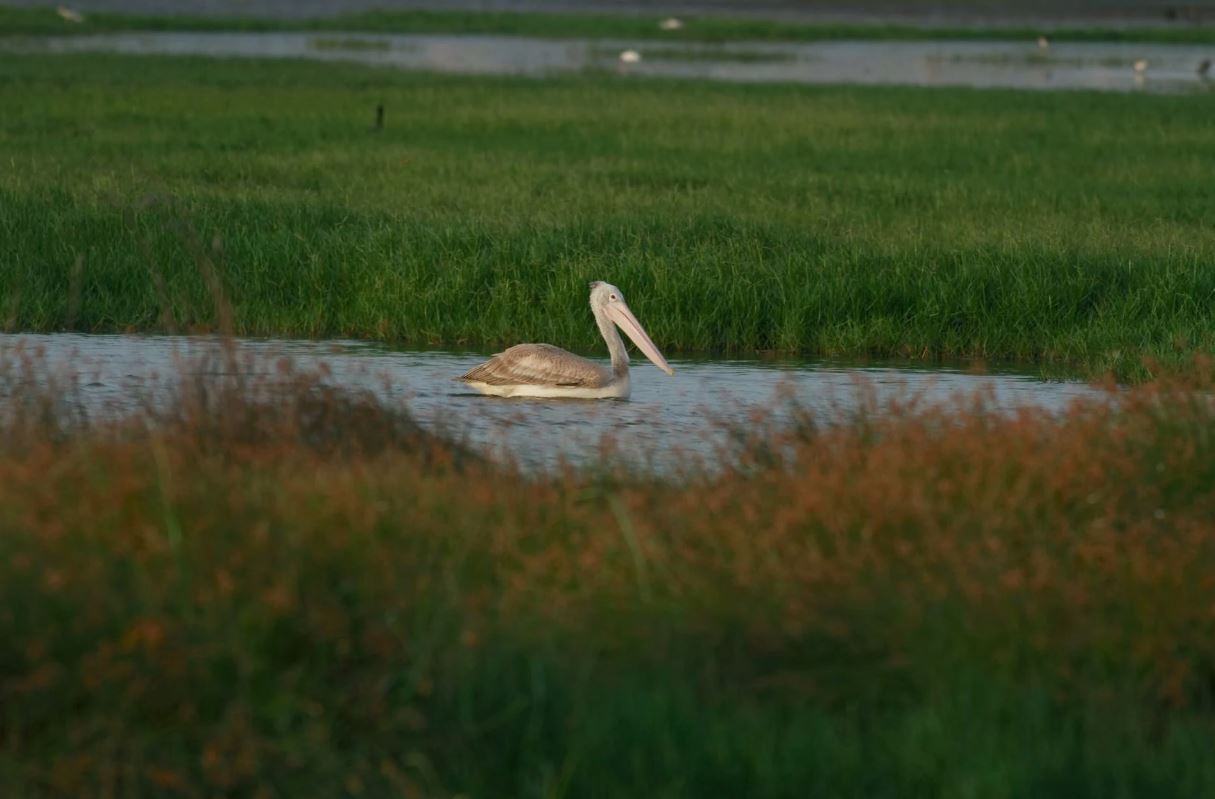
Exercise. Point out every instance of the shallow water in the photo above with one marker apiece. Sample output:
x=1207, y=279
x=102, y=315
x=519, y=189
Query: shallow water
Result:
x=1103, y=66
x=670, y=421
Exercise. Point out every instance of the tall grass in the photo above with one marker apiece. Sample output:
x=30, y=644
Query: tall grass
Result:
x=1188, y=29
x=1062, y=228
x=276, y=589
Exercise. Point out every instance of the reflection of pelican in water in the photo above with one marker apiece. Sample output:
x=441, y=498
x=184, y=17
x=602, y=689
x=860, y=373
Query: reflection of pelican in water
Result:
x=542, y=370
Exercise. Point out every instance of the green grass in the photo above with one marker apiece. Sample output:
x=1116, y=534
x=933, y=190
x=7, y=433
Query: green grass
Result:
x=1068, y=228
x=561, y=26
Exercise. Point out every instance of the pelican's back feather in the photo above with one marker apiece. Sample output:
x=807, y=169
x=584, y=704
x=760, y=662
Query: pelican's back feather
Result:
x=538, y=365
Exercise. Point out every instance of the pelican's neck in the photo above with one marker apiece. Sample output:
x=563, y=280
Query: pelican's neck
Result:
x=620, y=356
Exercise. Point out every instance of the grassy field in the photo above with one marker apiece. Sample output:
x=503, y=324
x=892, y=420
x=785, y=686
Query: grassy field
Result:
x=1068, y=229
x=275, y=590
x=561, y=26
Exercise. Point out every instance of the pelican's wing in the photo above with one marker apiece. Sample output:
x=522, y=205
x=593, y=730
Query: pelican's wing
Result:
x=538, y=365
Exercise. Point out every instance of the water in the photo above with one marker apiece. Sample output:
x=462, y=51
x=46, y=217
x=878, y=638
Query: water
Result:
x=1104, y=66
x=668, y=422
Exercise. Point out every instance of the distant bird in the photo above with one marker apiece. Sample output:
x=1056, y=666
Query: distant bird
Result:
x=69, y=14
x=671, y=24
x=1204, y=68
x=630, y=57
x=1043, y=43
x=1141, y=65
x=542, y=370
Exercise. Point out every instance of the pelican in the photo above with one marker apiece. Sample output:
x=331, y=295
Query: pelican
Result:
x=542, y=370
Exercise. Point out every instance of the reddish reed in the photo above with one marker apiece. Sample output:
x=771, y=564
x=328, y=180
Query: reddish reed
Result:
x=200, y=598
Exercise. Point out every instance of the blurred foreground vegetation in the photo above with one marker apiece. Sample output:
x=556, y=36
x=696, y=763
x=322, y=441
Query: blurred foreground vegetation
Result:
x=280, y=589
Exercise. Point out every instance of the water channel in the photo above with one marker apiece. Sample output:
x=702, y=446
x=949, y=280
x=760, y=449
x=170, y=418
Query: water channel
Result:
x=669, y=421
x=1103, y=66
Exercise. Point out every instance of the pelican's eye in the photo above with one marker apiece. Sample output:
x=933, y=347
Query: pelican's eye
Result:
x=613, y=297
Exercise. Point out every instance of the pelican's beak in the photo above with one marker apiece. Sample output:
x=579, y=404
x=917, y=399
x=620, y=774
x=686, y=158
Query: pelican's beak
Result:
x=619, y=313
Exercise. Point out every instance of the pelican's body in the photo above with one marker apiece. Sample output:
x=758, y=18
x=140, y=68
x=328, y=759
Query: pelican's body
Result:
x=542, y=370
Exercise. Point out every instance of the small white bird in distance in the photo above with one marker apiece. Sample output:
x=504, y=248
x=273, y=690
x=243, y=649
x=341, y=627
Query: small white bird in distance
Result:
x=630, y=57
x=70, y=14
x=671, y=24
x=1141, y=65
x=1043, y=43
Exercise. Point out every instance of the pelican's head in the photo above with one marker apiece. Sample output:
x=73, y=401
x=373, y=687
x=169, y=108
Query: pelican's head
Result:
x=609, y=300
